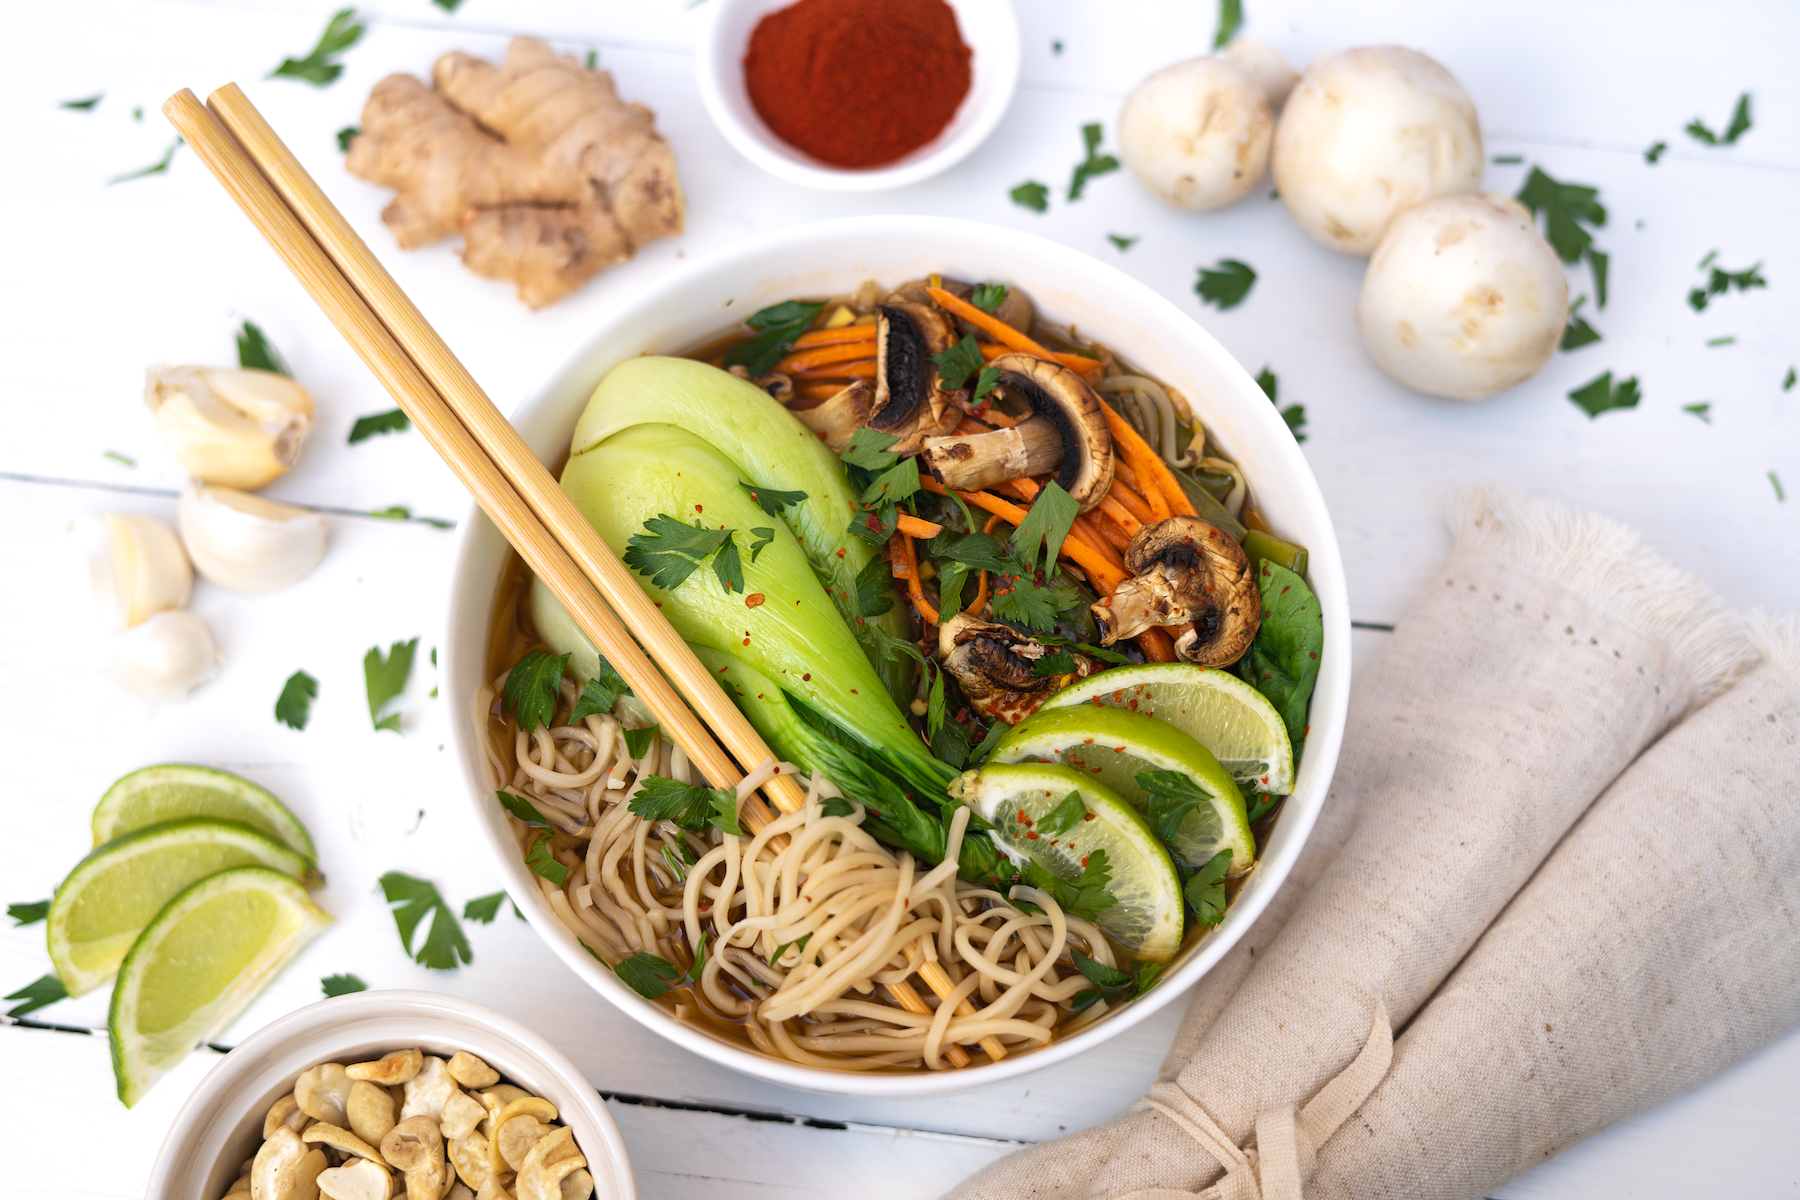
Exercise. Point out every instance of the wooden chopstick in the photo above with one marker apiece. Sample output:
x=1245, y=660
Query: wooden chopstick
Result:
x=462, y=424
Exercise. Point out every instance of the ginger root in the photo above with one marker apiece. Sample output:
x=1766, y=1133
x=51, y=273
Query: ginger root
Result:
x=548, y=175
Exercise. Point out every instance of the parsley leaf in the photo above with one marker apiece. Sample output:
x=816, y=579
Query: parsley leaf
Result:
x=384, y=679
x=1064, y=817
x=484, y=908
x=669, y=550
x=648, y=975
x=160, y=167
x=412, y=900
x=771, y=500
x=345, y=136
x=1787, y=381
x=1107, y=979
x=40, y=992
x=692, y=806
x=392, y=421
x=897, y=483
x=987, y=296
x=257, y=353
x=1033, y=605
x=540, y=860
x=1703, y=410
x=728, y=566
x=1722, y=281
x=1057, y=662
x=950, y=744
x=1602, y=395
x=869, y=449
x=1231, y=16
x=341, y=33
x=873, y=583
x=30, y=913
x=956, y=364
x=1087, y=897
x=1225, y=285
x=523, y=809
x=1172, y=796
x=1033, y=195
x=780, y=324
x=294, y=706
x=1122, y=242
x=764, y=537
x=1205, y=890
x=1092, y=651
x=600, y=693
x=1045, y=527
x=637, y=741
x=1564, y=206
x=1578, y=333
x=891, y=648
x=978, y=550
x=342, y=985
x=1740, y=125
x=1095, y=164
x=1655, y=151
x=1145, y=978
x=531, y=688
x=1597, y=263
x=83, y=105
x=1294, y=415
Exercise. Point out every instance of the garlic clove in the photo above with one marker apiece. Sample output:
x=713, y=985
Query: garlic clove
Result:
x=135, y=564
x=247, y=543
x=165, y=658
x=238, y=428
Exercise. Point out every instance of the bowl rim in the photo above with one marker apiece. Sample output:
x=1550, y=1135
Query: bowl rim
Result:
x=338, y=1023
x=1323, y=742
x=999, y=53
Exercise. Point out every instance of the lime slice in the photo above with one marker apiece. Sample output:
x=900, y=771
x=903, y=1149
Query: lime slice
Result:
x=1147, y=917
x=1215, y=708
x=1114, y=745
x=204, y=957
x=174, y=790
x=110, y=896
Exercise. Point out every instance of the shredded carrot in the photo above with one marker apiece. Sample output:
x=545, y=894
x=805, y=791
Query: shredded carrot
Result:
x=1111, y=530
x=832, y=337
x=1156, y=645
x=913, y=586
x=1123, y=517
x=818, y=391
x=913, y=526
x=1105, y=576
x=819, y=356
x=1159, y=484
x=1122, y=471
x=1129, y=500
x=969, y=427
x=992, y=350
x=1087, y=531
x=1000, y=331
x=896, y=557
x=862, y=369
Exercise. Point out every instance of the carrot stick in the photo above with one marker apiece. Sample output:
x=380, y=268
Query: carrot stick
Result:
x=1104, y=574
x=969, y=427
x=1002, y=332
x=818, y=391
x=913, y=526
x=832, y=337
x=1118, y=517
x=863, y=369
x=992, y=350
x=1133, y=503
x=1122, y=471
x=913, y=587
x=1159, y=484
x=1027, y=489
x=819, y=356
x=1156, y=645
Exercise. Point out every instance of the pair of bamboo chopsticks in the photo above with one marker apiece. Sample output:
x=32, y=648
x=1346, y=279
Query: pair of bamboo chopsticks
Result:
x=487, y=454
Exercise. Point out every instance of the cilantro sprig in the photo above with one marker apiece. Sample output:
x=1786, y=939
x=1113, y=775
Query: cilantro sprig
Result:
x=342, y=985
x=293, y=707
x=1740, y=125
x=692, y=806
x=600, y=693
x=318, y=68
x=1294, y=415
x=412, y=900
x=1087, y=897
x=1033, y=195
x=531, y=686
x=771, y=500
x=669, y=550
x=1603, y=395
x=1722, y=281
x=257, y=353
x=1205, y=889
x=778, y=325
x=1225, y=285
x=392, y=421
x=384, y=679
x=962, y=360
x=40, y=992
x=1093, y=165
x=29, y=913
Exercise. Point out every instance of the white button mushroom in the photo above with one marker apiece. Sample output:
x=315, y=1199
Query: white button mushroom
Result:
x=1367, y=133
x=1266, y=68
x=1197, y=134
x=1463, y=298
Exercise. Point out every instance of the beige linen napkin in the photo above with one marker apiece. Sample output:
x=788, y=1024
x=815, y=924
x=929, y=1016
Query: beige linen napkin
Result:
x=1545, y=653
x=1658, y=945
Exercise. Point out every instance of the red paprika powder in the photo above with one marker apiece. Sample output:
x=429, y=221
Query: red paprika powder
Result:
x=858, y=83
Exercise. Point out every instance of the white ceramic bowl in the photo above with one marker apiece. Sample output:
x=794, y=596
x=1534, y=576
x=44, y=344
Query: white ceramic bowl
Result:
x=221, y=1124
x=832, y=257
x=988, y=28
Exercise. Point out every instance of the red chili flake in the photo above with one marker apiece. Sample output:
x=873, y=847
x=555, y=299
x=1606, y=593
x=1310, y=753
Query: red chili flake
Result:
x=746, y=641
x=1031, y=836
x=1134, y=706
x=753, y=600
x=1023, y=818
x=1095, y=771
x=806, y=678
x=840, y=555
x=1118, y=749
x=658, y=604
x=1085, y=817
x=760, y=696
x=699, y=508
x=1087, y=741
x=1118, y=697
x=1312, y=654
x=853, y=691
x=1084, y=860
x=722, y=670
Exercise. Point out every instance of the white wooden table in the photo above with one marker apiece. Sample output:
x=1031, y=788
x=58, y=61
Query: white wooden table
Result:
x=102, y=281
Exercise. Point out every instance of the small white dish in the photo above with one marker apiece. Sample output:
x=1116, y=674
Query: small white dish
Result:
x=221, y=1124
x=988, y=28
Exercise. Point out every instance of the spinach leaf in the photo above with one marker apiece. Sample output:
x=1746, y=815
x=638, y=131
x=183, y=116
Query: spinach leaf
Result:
x=1283, y=663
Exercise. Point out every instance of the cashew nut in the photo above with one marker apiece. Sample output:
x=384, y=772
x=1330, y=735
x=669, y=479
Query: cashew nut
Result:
x=397, y=1066
x=577, y=1185
x=371, y=1111
x=285, y=1111
x=469, y=1155
x=364, y=1179
x=284, y=1169
x=428, y=1090
x=470, y=1071
x=548, y=1162
x=496, y=1098
x=413, y=1143
x=517, y=1136
x=242, y=1185
x=342, y=1139
x=461, y=1115
x=492, y=1190
x=525, y=1105
x=322, y=1092
x=459, y=1192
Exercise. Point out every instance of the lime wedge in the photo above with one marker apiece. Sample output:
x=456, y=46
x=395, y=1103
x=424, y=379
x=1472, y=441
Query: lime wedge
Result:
x=1114, y=745
x=174, y=790
x=110, y=896
x=1215, y=708
x=1146, y=918
x=197, y=965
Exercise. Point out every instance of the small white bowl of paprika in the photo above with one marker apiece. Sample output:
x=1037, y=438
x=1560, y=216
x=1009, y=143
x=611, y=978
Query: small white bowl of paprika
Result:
x=857, y=95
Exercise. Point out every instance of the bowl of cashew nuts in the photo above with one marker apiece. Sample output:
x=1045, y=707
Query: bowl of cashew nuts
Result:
x=384, y=1095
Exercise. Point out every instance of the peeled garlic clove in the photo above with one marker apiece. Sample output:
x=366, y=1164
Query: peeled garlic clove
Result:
x=165, y=658
x=246, y=543
x=239, y=428
x=136, y=565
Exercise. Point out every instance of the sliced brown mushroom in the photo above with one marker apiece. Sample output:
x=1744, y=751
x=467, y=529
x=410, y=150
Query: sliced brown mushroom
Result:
x=836, y=420
x=1185, y=570
x=910, y=401
x=993, y=664
x=1066, y=433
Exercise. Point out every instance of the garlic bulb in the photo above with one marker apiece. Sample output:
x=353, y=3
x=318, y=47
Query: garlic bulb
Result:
x=136, y=565
x=246, y=543
x=165, y=658
x=239, y=428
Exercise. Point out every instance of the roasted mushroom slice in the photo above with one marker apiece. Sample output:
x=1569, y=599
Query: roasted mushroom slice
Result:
x=836, y=420
x=910, y=403
x=1184, y=570
x=993, y=664
x=1066, y=433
